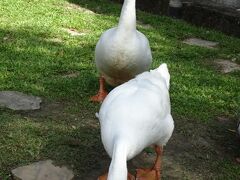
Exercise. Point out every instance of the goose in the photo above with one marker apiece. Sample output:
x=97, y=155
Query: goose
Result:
x=122, y=52
x=133, y=116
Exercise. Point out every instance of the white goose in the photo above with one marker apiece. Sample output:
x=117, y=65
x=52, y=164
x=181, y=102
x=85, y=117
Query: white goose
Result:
x=133, y=116
x=121, y=52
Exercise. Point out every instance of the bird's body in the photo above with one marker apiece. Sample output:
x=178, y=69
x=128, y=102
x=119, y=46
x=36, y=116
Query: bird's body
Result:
x=134, y=116
x=122, y=55
x=122, y=52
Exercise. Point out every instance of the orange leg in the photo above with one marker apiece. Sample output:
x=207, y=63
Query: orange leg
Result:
x=154, y=172
x=102, y=93
x=157, y=165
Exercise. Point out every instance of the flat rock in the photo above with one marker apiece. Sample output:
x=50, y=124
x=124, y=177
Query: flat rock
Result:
x=18, y=101
x=42, y=170
x=227, y=66
x=78, y=7
x=55, y=40
x=73, y=32
x=71, y=75
x=200, y=42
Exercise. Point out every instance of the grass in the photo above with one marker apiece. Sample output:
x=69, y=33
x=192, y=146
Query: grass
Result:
x=36, y=54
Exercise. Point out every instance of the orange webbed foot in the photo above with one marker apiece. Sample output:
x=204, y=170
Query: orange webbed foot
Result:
x=102, y=93
x=103, y=177
x=154, y=172
x=147, y=174
x=99, y=97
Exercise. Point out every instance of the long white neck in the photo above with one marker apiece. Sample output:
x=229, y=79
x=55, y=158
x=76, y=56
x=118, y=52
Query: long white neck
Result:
x=127, y=19
x=118, y=166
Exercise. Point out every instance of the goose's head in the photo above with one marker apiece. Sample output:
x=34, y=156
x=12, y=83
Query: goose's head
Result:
x=162, y=71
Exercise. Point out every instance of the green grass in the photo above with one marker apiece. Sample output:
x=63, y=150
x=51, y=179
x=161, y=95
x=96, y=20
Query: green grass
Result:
x=32, y=62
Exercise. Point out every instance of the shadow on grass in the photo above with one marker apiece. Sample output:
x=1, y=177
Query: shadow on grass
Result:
x=77, y=144
x=99, y=6
x=25, y=140
x=81, y=149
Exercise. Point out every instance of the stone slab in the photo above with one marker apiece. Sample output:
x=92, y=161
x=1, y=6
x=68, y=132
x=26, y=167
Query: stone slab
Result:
x=200, y=42
x=78, y=7
x=42, y=170
x=73, y=32
x=71, y=75
x=227, y=66
x=19, y=101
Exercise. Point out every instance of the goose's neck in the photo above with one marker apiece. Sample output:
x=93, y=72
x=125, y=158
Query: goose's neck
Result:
x=118, y=166
x=127, y=19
